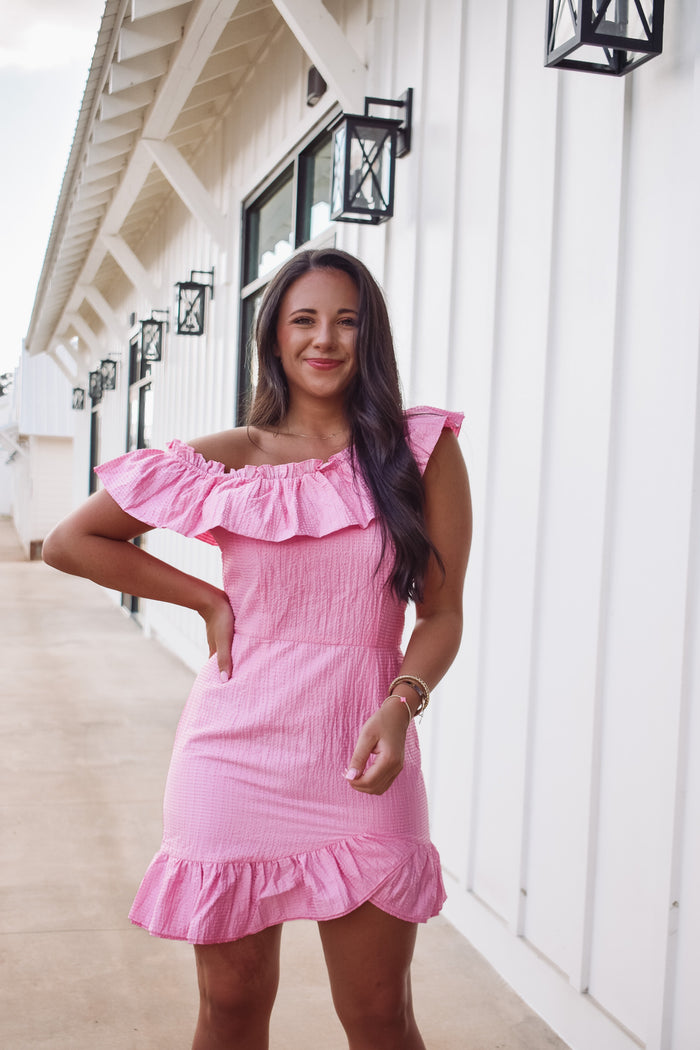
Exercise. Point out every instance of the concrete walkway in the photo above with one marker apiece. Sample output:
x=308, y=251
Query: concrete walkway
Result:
x=87, y=715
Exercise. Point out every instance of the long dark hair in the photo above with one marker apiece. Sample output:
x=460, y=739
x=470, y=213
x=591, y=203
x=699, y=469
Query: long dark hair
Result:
x=374, y=408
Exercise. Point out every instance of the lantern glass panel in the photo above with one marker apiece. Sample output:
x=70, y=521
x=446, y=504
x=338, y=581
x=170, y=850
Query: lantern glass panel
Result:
x=369, y=173
x=152, y=340
x=314, y=213
x=190, y=308
x=108, y=368
x=564, y=27
x=95, y=387
x=623, y=18
x=338, y=179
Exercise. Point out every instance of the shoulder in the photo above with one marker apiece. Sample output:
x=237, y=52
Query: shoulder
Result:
x=424, y=427
x=235, y=448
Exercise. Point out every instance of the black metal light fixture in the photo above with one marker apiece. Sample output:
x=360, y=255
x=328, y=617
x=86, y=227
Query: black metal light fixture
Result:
x=365, y=150
x=603, y=36
x=95, y=387
x=152, y=335
x=192, y=301
x=315, y=87
x=78, y=402
x=108, y=368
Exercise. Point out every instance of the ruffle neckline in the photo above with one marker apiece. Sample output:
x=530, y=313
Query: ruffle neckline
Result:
x=177, y=488
x=206, y=902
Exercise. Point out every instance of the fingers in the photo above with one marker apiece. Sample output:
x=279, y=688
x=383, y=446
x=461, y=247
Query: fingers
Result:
x=220, y=630
x=383, y=738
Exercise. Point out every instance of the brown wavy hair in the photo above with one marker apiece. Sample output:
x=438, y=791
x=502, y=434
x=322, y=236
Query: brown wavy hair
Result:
x=374, y=408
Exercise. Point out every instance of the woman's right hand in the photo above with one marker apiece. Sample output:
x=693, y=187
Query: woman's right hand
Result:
x=218, y=616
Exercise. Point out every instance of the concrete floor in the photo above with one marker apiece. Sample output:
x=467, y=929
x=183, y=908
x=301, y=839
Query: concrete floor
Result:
x=87, y=714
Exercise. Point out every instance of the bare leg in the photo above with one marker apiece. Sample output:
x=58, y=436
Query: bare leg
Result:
x=368, y=955
x=237, y=988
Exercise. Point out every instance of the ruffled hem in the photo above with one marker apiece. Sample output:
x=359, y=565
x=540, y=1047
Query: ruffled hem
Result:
x=212, y=903
x=178, y=489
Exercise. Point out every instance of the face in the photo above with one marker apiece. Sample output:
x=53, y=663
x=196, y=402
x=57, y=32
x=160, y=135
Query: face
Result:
x=316, y=332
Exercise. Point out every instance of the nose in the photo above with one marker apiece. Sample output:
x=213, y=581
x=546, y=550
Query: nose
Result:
x=324, y=334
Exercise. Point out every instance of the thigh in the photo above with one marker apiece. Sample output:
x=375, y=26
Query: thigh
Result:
x=368, y=954
x=243, y=971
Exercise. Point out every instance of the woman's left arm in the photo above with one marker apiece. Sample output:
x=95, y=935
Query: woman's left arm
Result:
x=435, y=639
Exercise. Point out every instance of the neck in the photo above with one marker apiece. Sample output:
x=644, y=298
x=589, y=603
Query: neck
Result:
x=321, y=422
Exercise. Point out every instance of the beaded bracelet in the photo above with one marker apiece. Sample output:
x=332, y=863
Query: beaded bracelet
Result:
x=397, y=696
x=420, y=687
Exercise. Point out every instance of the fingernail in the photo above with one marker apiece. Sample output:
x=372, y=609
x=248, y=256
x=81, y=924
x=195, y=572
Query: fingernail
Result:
x=223, y=676
x=351, y=774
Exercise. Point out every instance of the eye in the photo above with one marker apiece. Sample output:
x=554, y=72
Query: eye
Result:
x=302, y=320
x=348, y=322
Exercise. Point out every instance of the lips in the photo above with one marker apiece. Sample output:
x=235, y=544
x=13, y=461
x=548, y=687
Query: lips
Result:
x=323, y=364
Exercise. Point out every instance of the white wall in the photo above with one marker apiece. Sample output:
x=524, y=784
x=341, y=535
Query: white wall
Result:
x=41, y=496
x=543, y=276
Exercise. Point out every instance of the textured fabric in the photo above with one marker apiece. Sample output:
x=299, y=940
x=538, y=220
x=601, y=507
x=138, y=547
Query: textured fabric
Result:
x=260, y=824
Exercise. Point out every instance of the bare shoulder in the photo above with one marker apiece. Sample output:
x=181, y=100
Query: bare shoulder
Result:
x=448, y=508
x=234, y=448
x=446, y=465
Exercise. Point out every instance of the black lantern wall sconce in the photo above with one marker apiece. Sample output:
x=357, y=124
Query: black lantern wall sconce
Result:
x=152, y=335
x=78, y=403
x=95, y=386
x=603, y=36
x=365, y=150
x=108, y=368
x=192, y=301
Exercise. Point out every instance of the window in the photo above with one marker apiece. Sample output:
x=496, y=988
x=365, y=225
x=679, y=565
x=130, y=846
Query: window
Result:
x=291, y=210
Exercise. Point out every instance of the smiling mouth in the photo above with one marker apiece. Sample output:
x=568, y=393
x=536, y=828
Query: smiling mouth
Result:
x=323, y=363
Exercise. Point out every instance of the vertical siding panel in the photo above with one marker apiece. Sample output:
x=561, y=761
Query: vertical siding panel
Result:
x=403, y=237
x=572, y=520
x=471, y=370
x=435, y=246
x=649, y=537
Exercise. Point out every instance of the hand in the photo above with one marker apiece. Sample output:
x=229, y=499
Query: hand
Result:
x=382, y=735
x=218, y=616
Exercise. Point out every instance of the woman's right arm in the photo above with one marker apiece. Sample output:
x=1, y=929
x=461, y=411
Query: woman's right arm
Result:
x=93, y=542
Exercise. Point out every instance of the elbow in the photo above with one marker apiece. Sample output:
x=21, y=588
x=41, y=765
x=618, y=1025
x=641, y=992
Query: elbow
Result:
x=55, y=551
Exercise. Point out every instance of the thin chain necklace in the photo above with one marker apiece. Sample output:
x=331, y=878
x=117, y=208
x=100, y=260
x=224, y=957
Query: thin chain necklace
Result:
x=315, y=437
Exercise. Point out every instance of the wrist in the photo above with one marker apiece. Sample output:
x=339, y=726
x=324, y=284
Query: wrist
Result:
x=397, y=700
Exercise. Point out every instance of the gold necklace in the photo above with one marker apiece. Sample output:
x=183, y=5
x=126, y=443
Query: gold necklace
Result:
x=314, y=437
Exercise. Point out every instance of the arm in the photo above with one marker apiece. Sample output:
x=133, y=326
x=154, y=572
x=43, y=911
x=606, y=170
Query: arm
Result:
x=93, y=542
x=435, y=639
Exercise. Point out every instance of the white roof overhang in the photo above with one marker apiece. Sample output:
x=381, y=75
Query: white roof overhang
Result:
x=162, y=75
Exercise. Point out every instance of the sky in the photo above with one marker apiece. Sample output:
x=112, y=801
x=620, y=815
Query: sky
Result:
x=46, y=47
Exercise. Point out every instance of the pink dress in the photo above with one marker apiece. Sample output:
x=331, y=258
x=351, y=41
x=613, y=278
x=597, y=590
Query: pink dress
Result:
x=260, y=825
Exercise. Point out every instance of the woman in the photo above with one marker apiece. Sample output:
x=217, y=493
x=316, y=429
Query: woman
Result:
x=295, y=788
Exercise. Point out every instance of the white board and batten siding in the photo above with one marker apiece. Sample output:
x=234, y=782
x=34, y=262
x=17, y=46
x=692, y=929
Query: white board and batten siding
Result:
x=543, y=275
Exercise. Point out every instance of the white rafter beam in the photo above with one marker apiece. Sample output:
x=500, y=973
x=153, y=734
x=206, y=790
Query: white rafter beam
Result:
x=70, y=376
x=189, y=189
x=204, y=28
x=132, y=266
x=85, y=332
x=328, y=48
x=104, y=311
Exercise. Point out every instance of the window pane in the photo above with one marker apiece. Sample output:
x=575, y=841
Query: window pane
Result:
x=248, y=362
x=269, y=236
x=314, y=191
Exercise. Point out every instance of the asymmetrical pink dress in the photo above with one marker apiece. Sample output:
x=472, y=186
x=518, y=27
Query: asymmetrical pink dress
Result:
x=260, y=825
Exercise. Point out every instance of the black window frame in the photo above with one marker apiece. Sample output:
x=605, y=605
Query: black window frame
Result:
x=297, y=166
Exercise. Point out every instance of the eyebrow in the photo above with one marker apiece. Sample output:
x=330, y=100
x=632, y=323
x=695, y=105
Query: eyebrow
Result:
x=312, y=310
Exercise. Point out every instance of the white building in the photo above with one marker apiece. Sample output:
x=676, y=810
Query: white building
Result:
x=543, y=274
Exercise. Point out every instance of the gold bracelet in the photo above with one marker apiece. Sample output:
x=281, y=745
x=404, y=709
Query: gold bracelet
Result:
x=420, y=687
x=404, y=701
